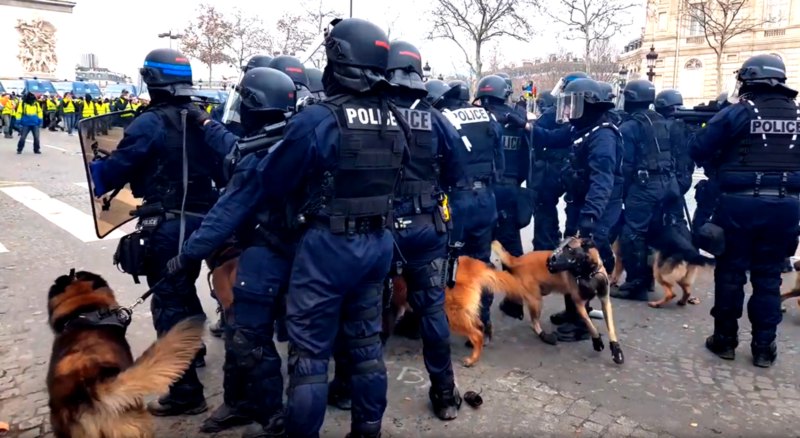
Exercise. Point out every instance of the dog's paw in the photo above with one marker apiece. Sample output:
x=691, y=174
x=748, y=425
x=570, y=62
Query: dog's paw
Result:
x=468, y=362
x=598, y=344
x=616, y=353
x=548, y=338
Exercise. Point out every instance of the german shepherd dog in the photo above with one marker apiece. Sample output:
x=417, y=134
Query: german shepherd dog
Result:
x=96, y=388
x=573, y=269
x=795, y=292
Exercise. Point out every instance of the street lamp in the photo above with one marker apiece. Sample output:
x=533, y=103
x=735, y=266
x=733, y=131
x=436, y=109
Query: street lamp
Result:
x=171, y=36
x=651, y=63
x=426, y=72
x=623, y=77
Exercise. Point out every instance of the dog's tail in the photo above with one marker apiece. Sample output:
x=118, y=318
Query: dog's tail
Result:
x=795, y=292
x=152, y=373
x=506, y=259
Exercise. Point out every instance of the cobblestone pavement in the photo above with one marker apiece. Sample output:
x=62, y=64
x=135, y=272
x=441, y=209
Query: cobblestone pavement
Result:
x=668, y=386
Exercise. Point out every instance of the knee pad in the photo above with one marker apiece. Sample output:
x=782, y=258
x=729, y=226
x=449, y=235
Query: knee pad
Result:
x=305, y=369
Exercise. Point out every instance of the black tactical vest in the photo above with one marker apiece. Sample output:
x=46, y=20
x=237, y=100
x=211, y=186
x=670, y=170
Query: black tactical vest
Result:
x=474, y=125
x=654, y=153
x=370, y=155
x=769, y=143
x=421, y=172
x=515, y=150
x=578, y=173
x=166, y=184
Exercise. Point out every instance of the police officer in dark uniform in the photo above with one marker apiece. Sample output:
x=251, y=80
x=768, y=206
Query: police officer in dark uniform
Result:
x=544, y=102
x=546, y=177
x=315, y=83
x=253, y=384
x=514, y=203
x=150, y=157
x=651, y=188
x=472, y=197
x=667, y=102
x=753, y=147
x=295, y=69
x=341, y=160
x=256, y=61
x=460, y=91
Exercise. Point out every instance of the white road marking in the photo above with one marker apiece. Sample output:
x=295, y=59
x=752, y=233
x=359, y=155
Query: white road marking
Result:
x=63, y=215
x=47, y=146
x=3, y=248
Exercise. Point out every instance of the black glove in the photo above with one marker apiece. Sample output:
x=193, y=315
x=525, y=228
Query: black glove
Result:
x=176, y=265
x=197, y=115
x=516, y=120
x=586, y=226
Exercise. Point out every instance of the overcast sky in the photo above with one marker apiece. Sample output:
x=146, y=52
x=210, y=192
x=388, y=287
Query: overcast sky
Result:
x=139, y=22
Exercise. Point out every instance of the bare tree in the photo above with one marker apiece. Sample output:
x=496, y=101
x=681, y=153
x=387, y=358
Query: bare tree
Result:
x=247, y=37
x=603, y=56
x=291, y=36
x=721, y=21
x=593, y=21
x=317, y=17
x=470, y=24
x=207, y=38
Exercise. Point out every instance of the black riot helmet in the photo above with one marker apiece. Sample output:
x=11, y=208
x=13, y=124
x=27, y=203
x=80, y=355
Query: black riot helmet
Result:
x=579, y=98
x=639, y=91
x=264, y=95
x=563, y=82
x=358, y=53
x=459, y=90
x=509, y=84
x=404, y=68
x=492, y=89
x=760, y=72
x=292, y=67
x=545, y=100
x=257, y=61
x=436, y=91
x=607, y=91
x=315, y=83
x=667, y=99
x=167, y=70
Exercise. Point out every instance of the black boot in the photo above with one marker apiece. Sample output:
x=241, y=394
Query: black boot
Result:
x=408, y=326
x=639, y=273
x=218, y=329
x=223, y=418
x=512, y=308
x=365, y=430
x=446, y=403
x=274, y=427
x=200, y=358
x=339, y=395
x=185, y=397
x=764, y=356
x=722, y=346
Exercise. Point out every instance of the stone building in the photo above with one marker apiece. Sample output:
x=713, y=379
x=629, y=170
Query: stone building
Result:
x=36, y=36
x=687, y=62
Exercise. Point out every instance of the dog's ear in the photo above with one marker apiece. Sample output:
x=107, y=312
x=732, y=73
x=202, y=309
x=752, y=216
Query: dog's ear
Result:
x=588, y=243
x=61, y=285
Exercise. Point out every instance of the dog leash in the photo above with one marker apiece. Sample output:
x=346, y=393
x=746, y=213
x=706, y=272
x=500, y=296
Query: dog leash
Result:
x=145, y=295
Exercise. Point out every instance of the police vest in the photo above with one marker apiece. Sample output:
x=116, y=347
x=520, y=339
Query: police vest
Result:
x=578, y=171
x=421, y=173
x=770, y=142
x=679, y=134
x=654, y=153
x=515, y=150
x=166, y=184
x=369, y=158
x=474, y=125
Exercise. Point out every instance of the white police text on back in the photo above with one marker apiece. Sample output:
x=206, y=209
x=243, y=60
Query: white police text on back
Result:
x=786, y=127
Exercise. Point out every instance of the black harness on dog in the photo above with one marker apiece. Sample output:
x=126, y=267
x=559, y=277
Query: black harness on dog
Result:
x=119, y=317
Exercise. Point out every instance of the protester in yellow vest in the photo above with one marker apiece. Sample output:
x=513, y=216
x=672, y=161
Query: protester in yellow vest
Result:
x=7, y=113
x=68, y=107
x=29, y=117
x=88, y=107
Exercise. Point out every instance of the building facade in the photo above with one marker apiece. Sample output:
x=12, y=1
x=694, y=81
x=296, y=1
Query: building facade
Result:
x=687, y=62
x=36, y=36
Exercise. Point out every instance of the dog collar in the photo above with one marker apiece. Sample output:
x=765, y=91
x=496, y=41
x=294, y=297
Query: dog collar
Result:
x=119, y=317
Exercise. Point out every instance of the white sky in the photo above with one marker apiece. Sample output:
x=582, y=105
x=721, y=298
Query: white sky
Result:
x=138, y=23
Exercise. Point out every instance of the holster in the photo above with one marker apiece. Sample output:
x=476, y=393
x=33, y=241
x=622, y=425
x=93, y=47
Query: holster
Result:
x=132, y=251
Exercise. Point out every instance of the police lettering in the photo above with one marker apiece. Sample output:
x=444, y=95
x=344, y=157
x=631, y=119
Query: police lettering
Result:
x=417, y=120
x=784, y=127
x=367, y=118
x=511, y=143
x=471, y=115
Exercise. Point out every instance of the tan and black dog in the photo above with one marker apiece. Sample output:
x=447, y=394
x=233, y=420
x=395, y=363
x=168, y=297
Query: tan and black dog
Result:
x=96, y=388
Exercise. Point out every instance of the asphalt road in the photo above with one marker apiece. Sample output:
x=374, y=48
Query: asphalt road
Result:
x=669, y=385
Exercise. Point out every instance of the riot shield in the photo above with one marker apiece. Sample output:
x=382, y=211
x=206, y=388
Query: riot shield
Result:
x=99, y=137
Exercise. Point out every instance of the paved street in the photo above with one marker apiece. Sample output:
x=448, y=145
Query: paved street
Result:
x=669, y=385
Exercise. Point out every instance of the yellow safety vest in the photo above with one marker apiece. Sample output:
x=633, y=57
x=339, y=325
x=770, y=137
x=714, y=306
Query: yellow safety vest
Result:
x=51, y=105
x=69, y=106
x=101, y=109
x=29, y=113
x=135, y=106
x=88, y=109
x=8, y=107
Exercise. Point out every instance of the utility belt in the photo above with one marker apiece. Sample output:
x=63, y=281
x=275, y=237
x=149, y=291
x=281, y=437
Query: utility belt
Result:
x=551, y=155
x=132, y=251
x=780, y=193
x=508, y=181
x=643, y=175
x=421, y=220
x=284, y=246
x=477, y=184
x=350, y=225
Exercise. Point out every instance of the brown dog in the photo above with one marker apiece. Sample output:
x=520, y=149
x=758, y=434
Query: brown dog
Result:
x=795, y=292
x=669, y=272
x=95, y=387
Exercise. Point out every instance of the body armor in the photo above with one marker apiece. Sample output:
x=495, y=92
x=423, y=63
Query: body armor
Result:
x=655, y=152
x=474, y=125
x=515, y=151
x=421, y=173
x=576, y=176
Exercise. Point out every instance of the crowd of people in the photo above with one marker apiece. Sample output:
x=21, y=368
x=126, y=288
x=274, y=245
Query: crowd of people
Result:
x=335, y=180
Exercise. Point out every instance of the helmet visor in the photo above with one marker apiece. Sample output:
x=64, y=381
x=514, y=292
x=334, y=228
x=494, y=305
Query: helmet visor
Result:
x=569, y=106
x=734, y=88
x=558, y=89
x=233, y=104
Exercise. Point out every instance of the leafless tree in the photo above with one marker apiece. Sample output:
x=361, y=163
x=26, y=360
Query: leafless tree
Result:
x=247, y=37
x=317, y=17
x=603, y=56
x=593, y=21
x=207, y=38
x=720, y=22
x=470, y=24
x=292, y=35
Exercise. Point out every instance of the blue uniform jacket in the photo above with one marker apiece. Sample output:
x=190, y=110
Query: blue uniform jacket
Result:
x=135, y=151
x=547, y=133
x=725, y=130
x=308, y=149
x=604, y=148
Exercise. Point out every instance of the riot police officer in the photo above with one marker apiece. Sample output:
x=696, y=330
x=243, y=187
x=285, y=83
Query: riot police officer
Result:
x=544, y=101
x=252, y=380
x=460, y=91
x=295, y=69
x=752, y=146
x=666, y=103
x=472, y=197
x=255, y=61
x=651, y=187
x=514, y=203
x=176, y=195
x=315, y=83
x=340, y=160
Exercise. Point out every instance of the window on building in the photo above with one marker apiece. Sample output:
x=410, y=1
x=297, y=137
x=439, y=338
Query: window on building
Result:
x=776, y=13
x=692, y=79
x=695, y=26
x=662, y=21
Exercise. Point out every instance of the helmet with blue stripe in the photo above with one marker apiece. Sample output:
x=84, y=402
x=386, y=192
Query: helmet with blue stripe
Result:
x=166, y=68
